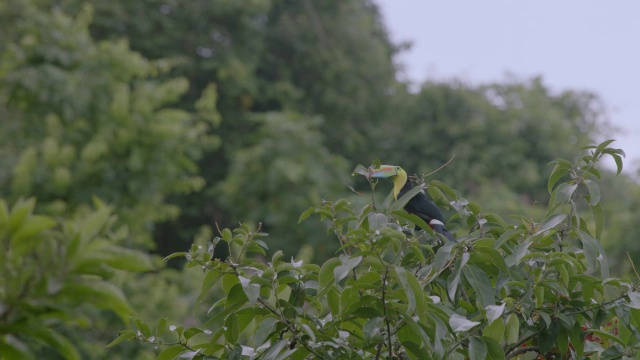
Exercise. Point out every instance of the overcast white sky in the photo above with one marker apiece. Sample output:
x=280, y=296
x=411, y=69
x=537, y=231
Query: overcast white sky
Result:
x=574, y=44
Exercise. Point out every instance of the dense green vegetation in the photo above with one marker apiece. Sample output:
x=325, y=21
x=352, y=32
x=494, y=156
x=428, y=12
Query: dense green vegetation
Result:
x=176, y=119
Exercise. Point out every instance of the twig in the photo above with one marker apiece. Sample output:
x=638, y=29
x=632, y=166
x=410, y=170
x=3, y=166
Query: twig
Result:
x=522, y=350
x=633, y=266
x=441, y=167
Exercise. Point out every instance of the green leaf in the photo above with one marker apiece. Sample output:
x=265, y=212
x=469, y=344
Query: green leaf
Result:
x=598, y=218
x=210, y=279
x=121, y=338
x=347, y=264
x=495, y=330
x=161, y=326
x=232, y=331
x=512, y=329
x=416, y=350
x=251, y=290
x=494, y=350
x=618, y=161
x=557, y=173
x=564, y=192
x=306, y=214
x=377, y=221
x=372, y=331
x=326, y=276
x=274, y=350
x=547, y=337
x=101, y=294
x=488, y=255
x=143, y=327
x=454, y=281
x=444, y=188
x=32, y=227
x=175, y=255
x=265, y=329
x=171, y=352
x=551, y=223
x=480, y=282
x=191, y=332
x=442, y=256
x=405, y=198
x=594, y=192
x=477, y=348
x=413, y=218
x=63, y=345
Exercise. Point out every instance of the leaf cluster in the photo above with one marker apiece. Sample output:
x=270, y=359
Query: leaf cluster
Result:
x=394, y=292
x=50, y=270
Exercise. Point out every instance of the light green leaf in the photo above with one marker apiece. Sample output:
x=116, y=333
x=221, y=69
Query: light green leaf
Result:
x=495, y=330
x=512, y=329
x=171, y=352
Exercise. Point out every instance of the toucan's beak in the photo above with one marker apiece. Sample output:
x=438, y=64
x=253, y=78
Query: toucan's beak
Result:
x=384, y=171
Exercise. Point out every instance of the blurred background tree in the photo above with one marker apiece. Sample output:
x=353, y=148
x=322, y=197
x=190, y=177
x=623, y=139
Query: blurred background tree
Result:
x=184, y=115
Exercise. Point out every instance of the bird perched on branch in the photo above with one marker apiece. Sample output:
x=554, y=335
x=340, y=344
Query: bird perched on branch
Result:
x=420, y=205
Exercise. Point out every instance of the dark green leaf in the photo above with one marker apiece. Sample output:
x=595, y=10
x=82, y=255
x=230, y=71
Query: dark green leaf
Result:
x=494, y=350
x=547, y=337
x=480, y=282
x=594, y=192
x=477, y=348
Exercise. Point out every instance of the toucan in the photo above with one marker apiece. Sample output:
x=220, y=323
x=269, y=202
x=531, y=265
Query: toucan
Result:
x=419, y=205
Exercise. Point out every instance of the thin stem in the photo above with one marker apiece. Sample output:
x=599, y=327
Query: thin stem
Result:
x=522, y=350
x=384, y=309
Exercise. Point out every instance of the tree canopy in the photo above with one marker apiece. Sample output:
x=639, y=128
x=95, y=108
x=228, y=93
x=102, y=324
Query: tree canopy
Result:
x=176, y=120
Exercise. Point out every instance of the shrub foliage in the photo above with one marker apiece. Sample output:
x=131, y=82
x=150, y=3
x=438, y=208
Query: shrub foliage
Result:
x=504, y=289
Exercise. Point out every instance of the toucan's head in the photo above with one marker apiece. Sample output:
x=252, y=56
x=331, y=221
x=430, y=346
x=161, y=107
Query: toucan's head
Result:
x=395, y=173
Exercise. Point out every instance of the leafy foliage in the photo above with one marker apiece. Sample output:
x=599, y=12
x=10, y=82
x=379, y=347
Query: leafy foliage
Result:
x=89, y=119
x=50, y=271
x=394, y=292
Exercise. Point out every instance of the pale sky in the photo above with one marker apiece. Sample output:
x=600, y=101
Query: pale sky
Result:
x=573, y=44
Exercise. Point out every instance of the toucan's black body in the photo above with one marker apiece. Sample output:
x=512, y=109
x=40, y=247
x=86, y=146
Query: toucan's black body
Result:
x=424, y=208
x=420, y=205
